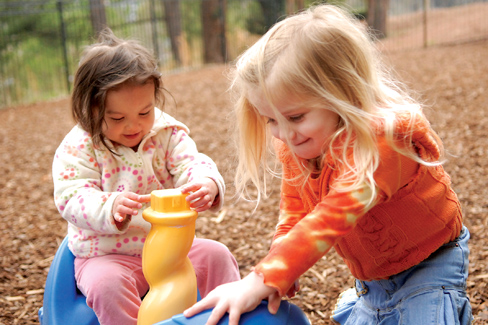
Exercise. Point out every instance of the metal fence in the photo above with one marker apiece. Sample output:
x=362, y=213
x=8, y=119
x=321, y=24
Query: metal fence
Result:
x=41, y=41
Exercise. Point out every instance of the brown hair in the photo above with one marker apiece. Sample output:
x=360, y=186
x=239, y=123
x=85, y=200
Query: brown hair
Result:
x=105, y=66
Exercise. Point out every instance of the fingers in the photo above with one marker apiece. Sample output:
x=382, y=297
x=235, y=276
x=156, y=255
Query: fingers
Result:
x=234, y=317
x=217, y=313
x=190, y=187
x=196, y=191
x=144, y=198
x=293, y=289
x=122, y=217
x=119, y=217
x=136, y=200
x=274, y=302
x=198, y=197
x=235, y=298
x=203, y=205
x=201, y=194
x=198, y=307
x=128, y=204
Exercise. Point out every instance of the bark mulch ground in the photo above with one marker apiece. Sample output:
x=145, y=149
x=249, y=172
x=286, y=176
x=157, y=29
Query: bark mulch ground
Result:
x=452, y=80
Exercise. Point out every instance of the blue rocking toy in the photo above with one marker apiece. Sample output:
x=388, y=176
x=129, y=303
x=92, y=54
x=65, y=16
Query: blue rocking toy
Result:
x=172, y=224
x=64, y=304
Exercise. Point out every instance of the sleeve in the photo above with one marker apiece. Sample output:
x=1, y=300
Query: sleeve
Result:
x=77, y=188
x=302, y=238
x=292, y=209
x=309, y=238
x=185, y=164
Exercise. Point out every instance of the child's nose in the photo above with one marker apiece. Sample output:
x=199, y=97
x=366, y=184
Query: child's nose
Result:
x=131, y=125
x=287, y=134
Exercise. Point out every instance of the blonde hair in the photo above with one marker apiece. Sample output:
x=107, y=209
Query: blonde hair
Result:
x=104, y=66
x=327, y=55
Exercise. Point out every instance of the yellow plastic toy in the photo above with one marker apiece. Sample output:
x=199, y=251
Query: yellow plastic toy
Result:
x=165, y=264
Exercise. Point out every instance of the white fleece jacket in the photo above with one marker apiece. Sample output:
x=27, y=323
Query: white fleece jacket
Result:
x=87, y=181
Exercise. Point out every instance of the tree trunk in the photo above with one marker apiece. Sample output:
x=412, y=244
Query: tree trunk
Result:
x=377, y=16
x=97, y=15
x=173, y=24
x=272, y=11
x=213, y=23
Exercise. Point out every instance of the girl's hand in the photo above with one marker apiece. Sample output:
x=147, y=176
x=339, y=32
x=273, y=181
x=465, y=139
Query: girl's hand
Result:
x=126, y=205
x=203, y=193
x=236, y=298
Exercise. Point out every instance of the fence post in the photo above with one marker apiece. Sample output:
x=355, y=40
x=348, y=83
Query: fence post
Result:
x=223, y=38
x=59, y=6
x=426, y=21
x=154, y=30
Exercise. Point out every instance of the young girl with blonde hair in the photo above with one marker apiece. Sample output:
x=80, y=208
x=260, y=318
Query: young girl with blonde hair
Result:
x=361, y=172
x=122, y=148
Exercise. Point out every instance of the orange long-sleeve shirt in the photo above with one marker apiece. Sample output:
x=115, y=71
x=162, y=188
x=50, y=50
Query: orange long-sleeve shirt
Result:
x=415, y=212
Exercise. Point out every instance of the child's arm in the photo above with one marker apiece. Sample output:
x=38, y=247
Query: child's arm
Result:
x=193, y=171
x=78, y=187
x=77, y=190
x=312, y=237
x=292, y=209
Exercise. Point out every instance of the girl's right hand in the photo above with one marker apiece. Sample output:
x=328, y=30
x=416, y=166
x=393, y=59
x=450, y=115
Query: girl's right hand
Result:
x=236, y=298
x=126, y=205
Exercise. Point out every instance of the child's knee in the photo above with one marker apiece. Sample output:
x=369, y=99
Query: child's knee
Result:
x=108, y=285
x=212, y=257
x=219, y=254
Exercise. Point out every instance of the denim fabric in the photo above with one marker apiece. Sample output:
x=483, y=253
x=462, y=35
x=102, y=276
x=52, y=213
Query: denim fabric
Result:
x=432, y=292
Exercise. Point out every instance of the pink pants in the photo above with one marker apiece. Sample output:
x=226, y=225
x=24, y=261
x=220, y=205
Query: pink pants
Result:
x=114, y=284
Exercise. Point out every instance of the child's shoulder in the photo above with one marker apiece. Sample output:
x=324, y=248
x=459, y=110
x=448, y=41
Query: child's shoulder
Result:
x=407, y=119
x=163, y=121
x=77, y=135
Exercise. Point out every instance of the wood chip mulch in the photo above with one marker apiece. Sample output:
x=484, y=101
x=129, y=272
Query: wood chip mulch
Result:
x=452, y=80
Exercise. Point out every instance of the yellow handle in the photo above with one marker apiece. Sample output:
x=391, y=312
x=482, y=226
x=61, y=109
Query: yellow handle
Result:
x=169, y=272
x=169, y=201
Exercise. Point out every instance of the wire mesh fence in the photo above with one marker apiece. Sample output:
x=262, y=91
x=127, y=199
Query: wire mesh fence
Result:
x=41, y=40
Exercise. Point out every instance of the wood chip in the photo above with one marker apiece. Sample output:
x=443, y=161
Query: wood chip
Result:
x=17, y=298
x=220, y=217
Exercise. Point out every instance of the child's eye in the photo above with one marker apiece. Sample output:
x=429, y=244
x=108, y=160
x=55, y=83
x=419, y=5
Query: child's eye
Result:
x=117, y=119
x=145, y=114
x=271, y=121
x=296, y=118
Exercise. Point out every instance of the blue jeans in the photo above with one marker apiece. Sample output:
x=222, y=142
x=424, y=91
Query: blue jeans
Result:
x=432, y=292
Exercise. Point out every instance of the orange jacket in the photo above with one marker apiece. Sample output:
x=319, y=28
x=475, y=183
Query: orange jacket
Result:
x=415, y=212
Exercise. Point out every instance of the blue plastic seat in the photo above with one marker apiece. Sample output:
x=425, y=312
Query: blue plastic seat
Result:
x=288, y=314
x=64, y=304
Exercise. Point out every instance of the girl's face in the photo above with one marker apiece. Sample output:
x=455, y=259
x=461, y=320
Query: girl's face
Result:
x=129, y=114
x=304, y=125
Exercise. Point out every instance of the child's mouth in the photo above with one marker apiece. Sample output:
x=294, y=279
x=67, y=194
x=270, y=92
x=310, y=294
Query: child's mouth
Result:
x=132, y=136
x=301, y=143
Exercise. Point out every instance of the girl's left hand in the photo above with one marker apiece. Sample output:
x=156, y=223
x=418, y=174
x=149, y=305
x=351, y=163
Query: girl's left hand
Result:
x=203, y=193
x=236, y=298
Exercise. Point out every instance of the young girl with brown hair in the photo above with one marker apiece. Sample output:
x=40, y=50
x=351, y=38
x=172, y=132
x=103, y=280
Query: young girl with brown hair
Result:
x=122, y=148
